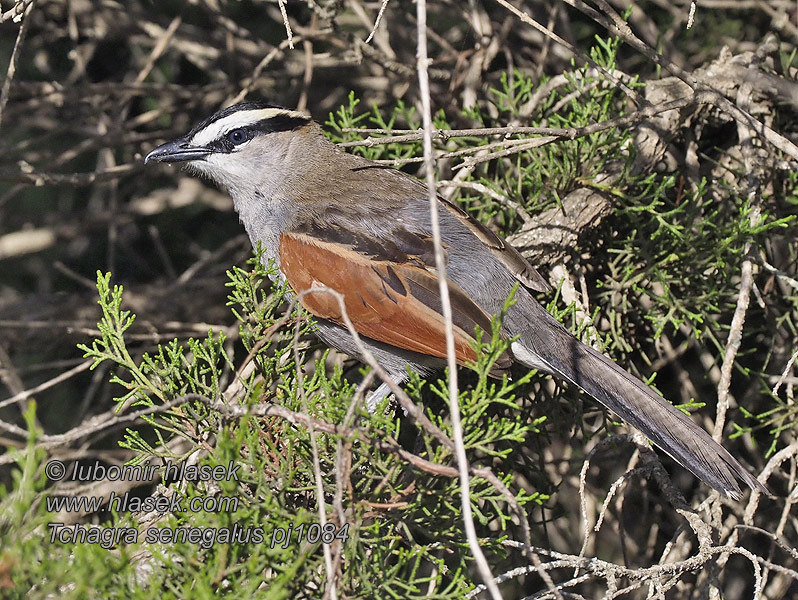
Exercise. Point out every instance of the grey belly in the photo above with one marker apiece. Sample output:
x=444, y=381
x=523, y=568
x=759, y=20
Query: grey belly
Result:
x=393, y=360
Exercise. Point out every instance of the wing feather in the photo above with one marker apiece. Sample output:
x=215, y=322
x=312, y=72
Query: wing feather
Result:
x=511, y=258
x=392, y=302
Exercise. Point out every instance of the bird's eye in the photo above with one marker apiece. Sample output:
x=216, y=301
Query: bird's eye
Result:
x=237, y=136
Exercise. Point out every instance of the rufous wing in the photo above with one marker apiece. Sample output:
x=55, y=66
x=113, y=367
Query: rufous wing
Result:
x=394, y=302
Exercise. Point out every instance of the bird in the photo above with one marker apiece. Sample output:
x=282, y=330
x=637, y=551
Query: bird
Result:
x=331, y=218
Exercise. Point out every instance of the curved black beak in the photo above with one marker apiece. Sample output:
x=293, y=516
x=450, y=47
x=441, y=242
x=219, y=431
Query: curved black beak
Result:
x=176, y=151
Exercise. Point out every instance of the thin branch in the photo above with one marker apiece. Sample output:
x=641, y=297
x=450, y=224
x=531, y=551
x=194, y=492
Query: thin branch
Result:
x=785, y=373
x=249, y=83
x=16, y=12
x=745, y=135
x=615, y=25
x=440, y=265
x=47, y=384
x=288, y=33
x=483, y=189
x=330, y=590
x=12, y=63
x=570, y=133
x=377, y=21
x=158, y=50
x=691, y=14
x=93, y=425
x=525, y=18
x=76, y=179
x=781, y=275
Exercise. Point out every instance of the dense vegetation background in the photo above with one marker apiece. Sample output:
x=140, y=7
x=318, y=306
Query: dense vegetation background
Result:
x=648, y=168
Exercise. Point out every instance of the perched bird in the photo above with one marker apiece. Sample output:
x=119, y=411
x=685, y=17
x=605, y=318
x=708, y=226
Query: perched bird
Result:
x=334, y=219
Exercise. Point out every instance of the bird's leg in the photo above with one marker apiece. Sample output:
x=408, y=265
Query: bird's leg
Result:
x=378, y=395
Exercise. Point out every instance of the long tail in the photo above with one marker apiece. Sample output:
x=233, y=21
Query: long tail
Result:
x=550, y=347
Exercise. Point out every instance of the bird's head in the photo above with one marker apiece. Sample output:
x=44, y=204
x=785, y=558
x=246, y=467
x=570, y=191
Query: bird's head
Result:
x=245, y=147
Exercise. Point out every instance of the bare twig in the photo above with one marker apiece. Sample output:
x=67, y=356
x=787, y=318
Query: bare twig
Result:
x=94, y=425
x=691, y=15
x=525, y=18
x=613, y=22
x=24, y=395
x=483, y=189
x=76, y=179
x=158, y=50
x=17, y=12
x=383, y=6
x=734, y=339
x=785, y=373
x=443, y=288
x=570, y=133
x=331, y=588
x=288, y=33
x=23, y=13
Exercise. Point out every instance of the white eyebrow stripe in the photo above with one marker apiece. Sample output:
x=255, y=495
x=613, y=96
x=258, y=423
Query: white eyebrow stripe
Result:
x=242, y=118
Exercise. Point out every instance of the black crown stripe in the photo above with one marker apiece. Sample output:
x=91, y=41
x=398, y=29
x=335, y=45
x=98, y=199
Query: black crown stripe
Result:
x=280, y=122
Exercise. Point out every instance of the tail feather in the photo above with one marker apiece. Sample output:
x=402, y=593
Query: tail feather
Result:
x=557, y=351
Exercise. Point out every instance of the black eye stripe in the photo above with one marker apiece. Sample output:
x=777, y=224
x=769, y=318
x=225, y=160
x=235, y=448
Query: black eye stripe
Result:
x=281, y=122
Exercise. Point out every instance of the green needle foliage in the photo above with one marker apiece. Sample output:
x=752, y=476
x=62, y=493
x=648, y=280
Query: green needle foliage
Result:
x=401, y=533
